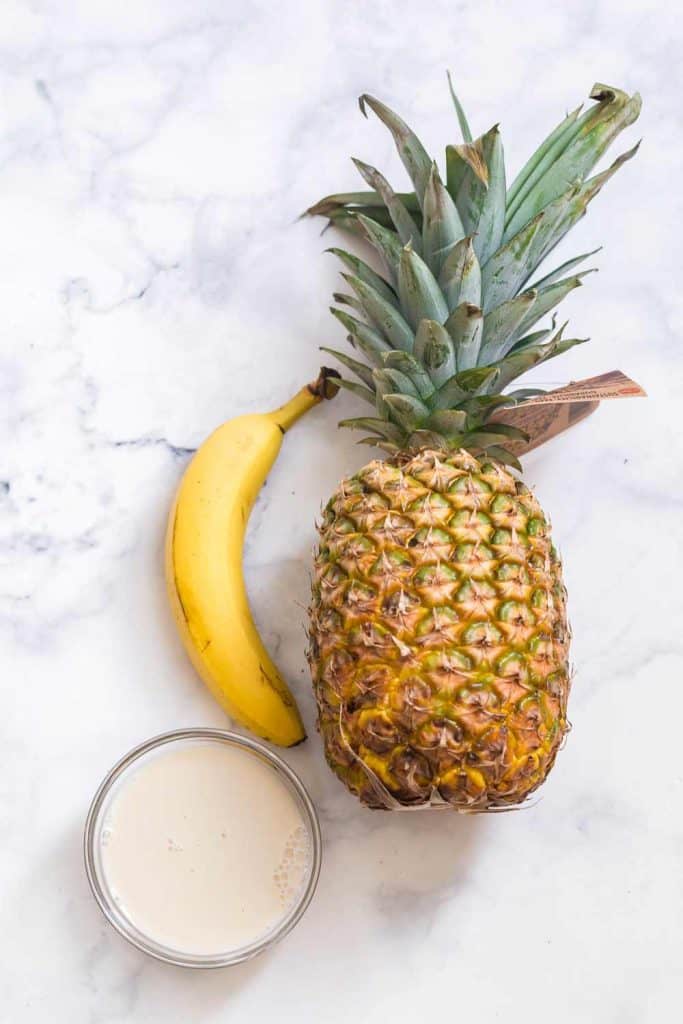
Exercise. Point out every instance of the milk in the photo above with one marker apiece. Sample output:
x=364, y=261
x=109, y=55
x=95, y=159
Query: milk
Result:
x=204, y=848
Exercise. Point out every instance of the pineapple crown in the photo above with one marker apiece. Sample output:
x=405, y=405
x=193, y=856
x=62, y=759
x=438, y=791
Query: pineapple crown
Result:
x=448, y=327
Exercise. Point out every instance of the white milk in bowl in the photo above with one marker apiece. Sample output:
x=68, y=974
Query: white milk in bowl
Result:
x=204, y=848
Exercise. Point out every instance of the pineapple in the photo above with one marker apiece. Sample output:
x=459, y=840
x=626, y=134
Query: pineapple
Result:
x=439, y=639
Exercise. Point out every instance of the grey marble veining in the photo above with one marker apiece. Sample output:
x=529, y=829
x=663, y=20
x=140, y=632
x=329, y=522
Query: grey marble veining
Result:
x=154, y=281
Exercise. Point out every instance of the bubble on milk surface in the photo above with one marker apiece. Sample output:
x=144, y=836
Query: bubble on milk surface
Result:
x=294, y=865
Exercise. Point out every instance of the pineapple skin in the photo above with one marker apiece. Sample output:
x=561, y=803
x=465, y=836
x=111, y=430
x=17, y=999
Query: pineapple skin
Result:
x=438, y=634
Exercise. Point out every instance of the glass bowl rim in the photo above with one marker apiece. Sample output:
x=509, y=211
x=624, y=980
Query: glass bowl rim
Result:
x=145, y=943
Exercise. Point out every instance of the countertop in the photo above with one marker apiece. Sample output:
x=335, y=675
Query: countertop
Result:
x=155, y=281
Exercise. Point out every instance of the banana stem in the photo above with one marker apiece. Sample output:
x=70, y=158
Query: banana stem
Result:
x=324, y=387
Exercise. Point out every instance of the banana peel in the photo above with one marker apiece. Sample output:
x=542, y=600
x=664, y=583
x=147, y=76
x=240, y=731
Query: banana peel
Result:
x=203, y=560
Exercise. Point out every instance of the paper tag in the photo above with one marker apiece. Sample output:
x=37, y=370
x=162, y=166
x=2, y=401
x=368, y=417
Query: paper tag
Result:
x=594, y=389
x=550, y=414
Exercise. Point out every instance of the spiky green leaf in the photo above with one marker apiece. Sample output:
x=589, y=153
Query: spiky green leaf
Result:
x=481, y=407
x=462, y=120
x=361, y=370
x=357, y=389
x=348, y=300
x=509, y=431
x=409, y=365
x=535, y=338
x=541, y=159
x=500, y=326
x=386, y=242
x=503, y=455
x=411, y=151
x=564, y=268
x=546, y=299
x=426, y=439
x=408, y=411
x=521, y=395
x=396, y=382
x=512, y=265
x=365, y=338
x=447, y=422
x=441, y=227
x=348, y=220
x=420, y=295
x=450, y=394
x=517, y=363
x=552, y=144
x=576, y=208
x=456, y=168
x=508, y=268
x=385, y=446
x=460, y=277
x=464, y=326
x=361, y=269
x=486, y=439
x=382, y=387
x=382, y=314
x=384, y=429
x=356, y=202
x=466, y=171
x=585, y=142
x=434, y=349
x=404, y=223
x=481, y=196
x=480, y=380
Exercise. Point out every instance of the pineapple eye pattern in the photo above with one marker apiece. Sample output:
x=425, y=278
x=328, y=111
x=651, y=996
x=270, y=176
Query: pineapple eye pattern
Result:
x=426, y=652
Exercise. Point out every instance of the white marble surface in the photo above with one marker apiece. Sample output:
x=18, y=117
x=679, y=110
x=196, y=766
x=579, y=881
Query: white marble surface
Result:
x=153, y=158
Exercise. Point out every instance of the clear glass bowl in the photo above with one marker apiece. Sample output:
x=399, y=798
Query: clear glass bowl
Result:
x=93, y=860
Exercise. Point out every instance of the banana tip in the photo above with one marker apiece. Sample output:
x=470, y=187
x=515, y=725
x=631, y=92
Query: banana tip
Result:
x=326, y=384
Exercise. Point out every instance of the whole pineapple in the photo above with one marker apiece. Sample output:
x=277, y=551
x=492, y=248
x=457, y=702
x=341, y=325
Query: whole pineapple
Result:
x=438, y=628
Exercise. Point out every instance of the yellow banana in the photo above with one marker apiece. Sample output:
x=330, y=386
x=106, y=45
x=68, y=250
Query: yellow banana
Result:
x=204, y=566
